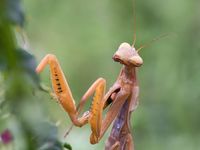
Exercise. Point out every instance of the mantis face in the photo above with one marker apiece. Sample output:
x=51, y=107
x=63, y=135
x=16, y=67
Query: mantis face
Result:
x=127, y=55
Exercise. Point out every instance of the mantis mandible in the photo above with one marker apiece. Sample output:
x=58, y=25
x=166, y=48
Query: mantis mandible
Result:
x=121, y=98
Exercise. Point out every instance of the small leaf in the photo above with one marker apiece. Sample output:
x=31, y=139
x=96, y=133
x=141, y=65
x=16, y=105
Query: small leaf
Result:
x=68, y=146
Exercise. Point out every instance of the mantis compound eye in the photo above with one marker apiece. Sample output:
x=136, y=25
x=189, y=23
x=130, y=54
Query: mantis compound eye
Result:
x=136, y=60
x=116, y=58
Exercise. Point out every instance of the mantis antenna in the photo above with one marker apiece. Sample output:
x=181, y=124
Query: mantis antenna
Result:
x=134, y=23
x=154, y=40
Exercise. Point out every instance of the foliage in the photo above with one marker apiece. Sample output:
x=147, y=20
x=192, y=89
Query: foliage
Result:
x=22, y=119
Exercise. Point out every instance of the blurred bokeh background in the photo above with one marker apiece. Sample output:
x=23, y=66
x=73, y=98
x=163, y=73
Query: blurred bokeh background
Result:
x=85, y=34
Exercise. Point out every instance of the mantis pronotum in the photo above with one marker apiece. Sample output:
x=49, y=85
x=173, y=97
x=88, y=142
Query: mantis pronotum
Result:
x=121, y=98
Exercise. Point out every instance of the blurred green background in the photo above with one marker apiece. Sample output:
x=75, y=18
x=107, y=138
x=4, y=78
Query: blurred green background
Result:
x=85, y=34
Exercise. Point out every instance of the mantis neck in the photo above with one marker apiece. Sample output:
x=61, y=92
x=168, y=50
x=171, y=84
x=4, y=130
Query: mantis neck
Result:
x=128, y=74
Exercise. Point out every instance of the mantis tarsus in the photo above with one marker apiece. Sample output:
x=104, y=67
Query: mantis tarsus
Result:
x=121, y=98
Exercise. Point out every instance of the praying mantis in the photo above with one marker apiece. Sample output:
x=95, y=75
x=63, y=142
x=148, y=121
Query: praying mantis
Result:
x=121, y=99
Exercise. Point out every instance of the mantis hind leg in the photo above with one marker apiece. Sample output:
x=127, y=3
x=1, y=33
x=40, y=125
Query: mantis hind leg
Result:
x=120, y=144
x=116, y=146
x=112, y=144
x=129, y=143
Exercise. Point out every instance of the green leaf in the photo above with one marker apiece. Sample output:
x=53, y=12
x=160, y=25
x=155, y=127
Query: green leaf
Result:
x=68, y=146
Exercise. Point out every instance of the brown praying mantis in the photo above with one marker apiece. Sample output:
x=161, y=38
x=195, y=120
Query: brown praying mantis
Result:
x=121, y=98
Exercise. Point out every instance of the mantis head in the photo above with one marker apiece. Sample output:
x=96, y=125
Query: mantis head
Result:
x=127, y=55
